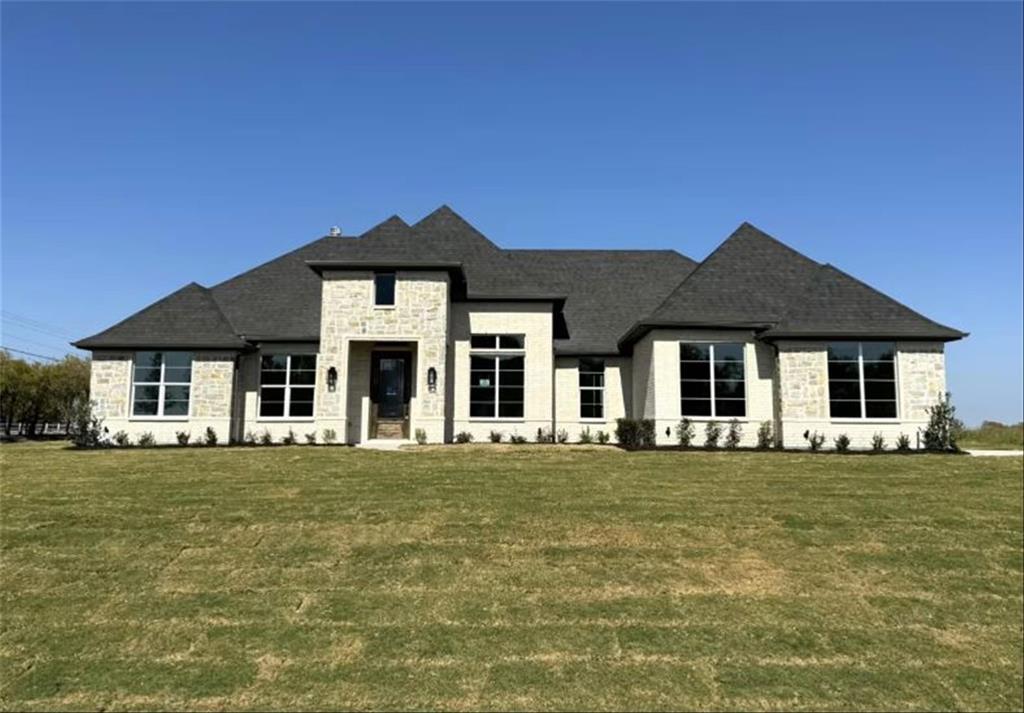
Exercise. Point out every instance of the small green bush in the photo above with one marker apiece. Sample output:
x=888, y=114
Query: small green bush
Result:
x=121, y=439
x=764, y=435
x=903, y=443
x=733, y=435
x=517, y=439
x=86, y=429
x=603, y=437
x=878, y=443
x=147, y=440
x=944, y=428
x=562, y=436
x=289, y=438
x=496, y=436
x=330, y=435
x=183, y=437
x=211, y=436
x=585, y=436
x=634, y=433
x=544, y=435
x=463, y=437
x=311, y=438
x=685, y=433
x=421, y=436
x=265, y=438
x=814, y=440
x=842, y=442
x=712, y=432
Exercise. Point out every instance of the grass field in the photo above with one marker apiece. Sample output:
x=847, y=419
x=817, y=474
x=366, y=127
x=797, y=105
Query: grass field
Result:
x=997, y=436
x=478, y=577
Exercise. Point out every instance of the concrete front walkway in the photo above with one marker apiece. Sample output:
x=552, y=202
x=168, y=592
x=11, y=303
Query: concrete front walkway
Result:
x=385, y=444
x=987, y=453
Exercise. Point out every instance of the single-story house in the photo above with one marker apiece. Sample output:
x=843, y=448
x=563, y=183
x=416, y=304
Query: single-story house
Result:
x=433, y=329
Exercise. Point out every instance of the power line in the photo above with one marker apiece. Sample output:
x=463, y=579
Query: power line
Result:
x=31, y=354
x=7, y=333
x=35, y=324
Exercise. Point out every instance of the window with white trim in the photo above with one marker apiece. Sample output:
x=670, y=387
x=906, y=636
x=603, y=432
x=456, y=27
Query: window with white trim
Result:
x=862, y=380
x=591, y=388
x=712, y=380
x=161, y=384
x=287, y=383
x=496, y=375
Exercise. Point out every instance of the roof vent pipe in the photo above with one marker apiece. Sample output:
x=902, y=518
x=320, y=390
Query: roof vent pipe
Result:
x=335, y=231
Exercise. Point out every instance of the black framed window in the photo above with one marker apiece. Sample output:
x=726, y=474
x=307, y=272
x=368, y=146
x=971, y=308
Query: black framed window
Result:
x=591, y=388
x=712, y=380
x=161, y=384
x=862, y=380
x=496, y=375
x=384, y=289
x=287, y=385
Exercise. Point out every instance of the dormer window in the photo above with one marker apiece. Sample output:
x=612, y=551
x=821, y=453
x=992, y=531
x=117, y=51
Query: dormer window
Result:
x=384, y=289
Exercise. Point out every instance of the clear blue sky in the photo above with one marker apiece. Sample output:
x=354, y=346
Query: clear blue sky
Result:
x=148, y=145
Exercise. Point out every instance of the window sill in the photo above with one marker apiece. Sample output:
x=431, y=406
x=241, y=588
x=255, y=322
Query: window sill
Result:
x=496, y=419
x=583, y=419
x=721, y=419
x=384, y=306
x=160, y=419
x=865, y=420
x=284, y=419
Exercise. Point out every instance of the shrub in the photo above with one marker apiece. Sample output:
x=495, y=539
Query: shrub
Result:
x=842, y=442
x=685, y=433
x=903, y=443
x=265, y=438
x=121, y=439
x=712, y=432
x=86, y=430
x=585, y=436
x=330, y=435
x=250, y=438
x=734, y=434
x=517, y=439
x=562, y=436
x=545, y=435
x=463, y=437
x=764, y=435
x=496, y=436
x=288, y=439
x=211, y=436
x=311, y=438
x=421, y=436
x=944, y=428
x=147, y=440
x=633, y=433
x=183, y=437
x=878, y=443
x=814, y=440
x=603, y=437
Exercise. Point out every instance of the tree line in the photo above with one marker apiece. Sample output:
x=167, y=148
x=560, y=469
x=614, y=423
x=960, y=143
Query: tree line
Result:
x=34, y=393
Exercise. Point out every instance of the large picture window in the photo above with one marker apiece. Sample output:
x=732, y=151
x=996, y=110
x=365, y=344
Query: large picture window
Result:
x=591, y=388
x=287, y=382
x=496, y=376
x=161, y=384
x=712, y=380
x=862, y=380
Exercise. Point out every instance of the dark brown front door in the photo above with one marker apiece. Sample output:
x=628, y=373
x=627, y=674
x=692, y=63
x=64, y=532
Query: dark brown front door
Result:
x=390, y=382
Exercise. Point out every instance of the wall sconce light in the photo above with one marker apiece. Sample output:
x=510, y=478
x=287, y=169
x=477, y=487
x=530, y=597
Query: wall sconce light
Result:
x=432, y=379
x=332, y=379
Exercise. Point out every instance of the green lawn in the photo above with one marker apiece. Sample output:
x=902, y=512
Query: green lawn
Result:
x=526, y=577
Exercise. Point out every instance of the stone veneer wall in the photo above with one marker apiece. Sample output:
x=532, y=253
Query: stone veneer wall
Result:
x=803, y=394
x=420, y=316
x=209, y=403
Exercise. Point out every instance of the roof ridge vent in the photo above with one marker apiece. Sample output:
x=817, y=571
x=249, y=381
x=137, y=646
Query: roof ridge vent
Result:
x=335, y=231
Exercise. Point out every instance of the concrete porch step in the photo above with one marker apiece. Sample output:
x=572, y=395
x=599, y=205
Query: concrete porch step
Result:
x=390, y=429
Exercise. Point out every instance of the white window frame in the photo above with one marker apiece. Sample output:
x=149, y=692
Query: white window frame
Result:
x=394, y=302
x=711, y=368
x=162, y=387
x=287, y=386
x=582, y=388
x=864, y=418
x=495, y=352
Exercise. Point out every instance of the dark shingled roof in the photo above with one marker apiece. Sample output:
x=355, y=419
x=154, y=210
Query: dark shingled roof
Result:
x=606, y=290
x=600, y=296
x=189, y=317
x=754, y=281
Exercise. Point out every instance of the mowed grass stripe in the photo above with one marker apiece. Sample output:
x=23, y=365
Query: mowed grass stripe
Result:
x=496, y=578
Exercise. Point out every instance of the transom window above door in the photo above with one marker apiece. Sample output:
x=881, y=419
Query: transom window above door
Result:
x=712, y=380
x=287, y=384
